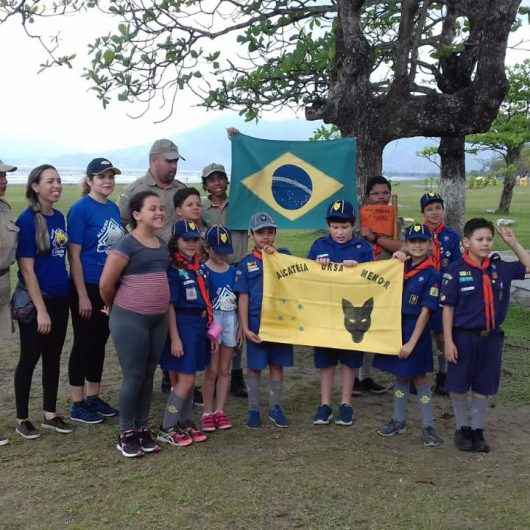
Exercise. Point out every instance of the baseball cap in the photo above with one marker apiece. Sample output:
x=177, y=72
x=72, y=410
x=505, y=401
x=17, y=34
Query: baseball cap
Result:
x=166, y=148
x=261, y=220
x=213, y=168
x=417, y=231
x=341, y=211
x=219, y=239
x=6, y=168
x=186, y=230
x=429, y=198
x=99, y=165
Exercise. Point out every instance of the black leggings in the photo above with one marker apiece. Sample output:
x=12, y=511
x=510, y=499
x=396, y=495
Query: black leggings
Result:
x=90, y=337
x=34, y=345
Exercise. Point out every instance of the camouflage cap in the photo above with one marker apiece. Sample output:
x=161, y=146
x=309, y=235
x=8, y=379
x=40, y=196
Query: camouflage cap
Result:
x=213, y=168
x=6, y=168
x=166, y=148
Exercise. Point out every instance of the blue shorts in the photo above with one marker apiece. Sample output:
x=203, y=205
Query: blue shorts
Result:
x=419, y=361
x=192, y=330
x=230, y=325
x=479, y=362
x=261, y=355
x=327, y=357
x=436, y=322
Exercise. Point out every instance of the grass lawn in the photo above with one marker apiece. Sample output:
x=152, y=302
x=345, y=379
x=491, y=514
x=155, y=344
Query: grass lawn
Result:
x=300, y=477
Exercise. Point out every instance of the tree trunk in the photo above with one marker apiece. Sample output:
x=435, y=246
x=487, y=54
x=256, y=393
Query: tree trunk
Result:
x=369, y=162
x=453, y=180
x=512, y=157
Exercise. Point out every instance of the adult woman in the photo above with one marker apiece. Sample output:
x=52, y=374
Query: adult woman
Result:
x=8, y=246
x=134, y=285
x=42, y=271
x=94, y=227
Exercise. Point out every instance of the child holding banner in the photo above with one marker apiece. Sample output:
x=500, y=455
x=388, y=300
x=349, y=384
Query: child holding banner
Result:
x=340, y=246
x=475, y=298
x=445, y=250
x=420, y=299
x=249, y=285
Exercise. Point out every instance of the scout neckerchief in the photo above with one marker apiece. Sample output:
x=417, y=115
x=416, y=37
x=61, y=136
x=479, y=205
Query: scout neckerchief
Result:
x=427, y=263
x=193, y=265
x=436, y=245
x=487, y=289
x=257, y=254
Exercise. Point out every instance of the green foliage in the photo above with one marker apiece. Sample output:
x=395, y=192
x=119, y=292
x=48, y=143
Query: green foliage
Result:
x=326, y=132
x=481, y=181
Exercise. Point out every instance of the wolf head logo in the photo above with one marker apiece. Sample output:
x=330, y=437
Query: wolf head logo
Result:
x=357, y=320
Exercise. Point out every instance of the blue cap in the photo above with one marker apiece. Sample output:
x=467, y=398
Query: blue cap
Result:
x=100, y=165
x=186, y=230
x=219, y=239
x=417, y=231
x=430, y=197
x=261, y=220
x=340, y=211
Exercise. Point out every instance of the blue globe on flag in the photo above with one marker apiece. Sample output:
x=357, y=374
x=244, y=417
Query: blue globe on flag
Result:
x=291, y=186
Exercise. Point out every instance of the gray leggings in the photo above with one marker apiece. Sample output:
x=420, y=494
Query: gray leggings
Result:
x=139, y=340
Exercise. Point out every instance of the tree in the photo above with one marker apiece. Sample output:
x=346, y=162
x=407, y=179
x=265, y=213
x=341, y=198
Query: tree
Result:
x=364, y=66
x=510, y=131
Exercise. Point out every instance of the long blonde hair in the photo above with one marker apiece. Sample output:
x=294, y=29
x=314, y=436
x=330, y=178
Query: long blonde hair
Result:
x=42, y=237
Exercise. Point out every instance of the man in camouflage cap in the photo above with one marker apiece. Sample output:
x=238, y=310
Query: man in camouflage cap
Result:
x=160, y=178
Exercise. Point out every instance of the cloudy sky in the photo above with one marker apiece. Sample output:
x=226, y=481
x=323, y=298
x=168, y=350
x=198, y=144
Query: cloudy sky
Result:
x=56, y=109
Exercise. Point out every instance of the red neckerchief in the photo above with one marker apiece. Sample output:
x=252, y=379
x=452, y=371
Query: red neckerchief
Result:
x=487, y=289
x=436, y=245
x=377, y=249
x=257, y=254
x=193, y=266
x=427, y=263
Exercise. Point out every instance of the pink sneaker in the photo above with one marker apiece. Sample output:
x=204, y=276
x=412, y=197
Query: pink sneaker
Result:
x=175, y=437
x=208, y=423
x=222, y=421
x=196, y=435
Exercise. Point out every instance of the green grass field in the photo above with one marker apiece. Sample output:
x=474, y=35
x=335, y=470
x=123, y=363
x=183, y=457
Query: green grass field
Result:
x=300, y=477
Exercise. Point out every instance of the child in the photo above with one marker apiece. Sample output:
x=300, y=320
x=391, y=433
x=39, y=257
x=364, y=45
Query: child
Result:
x=340, y=246
x=188, y=206
x=188, y=351
x=475, y=297
x=445, y=250
x=249, y=285
x=224, y=302
x=420, y=298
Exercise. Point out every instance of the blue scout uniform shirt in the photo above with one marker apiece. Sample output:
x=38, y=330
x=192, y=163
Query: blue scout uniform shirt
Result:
x=50, y=268
x=422, y=290
x=221, y=289
x=183, y=289
x=96, y=227
x=354, y=249
x=449, y=247
x=462, y=288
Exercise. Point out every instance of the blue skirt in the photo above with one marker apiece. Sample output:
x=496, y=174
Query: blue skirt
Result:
x=192, y=330
x=419, y=361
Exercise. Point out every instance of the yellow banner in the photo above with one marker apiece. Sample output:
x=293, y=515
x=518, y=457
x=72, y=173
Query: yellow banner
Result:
x=350, y=308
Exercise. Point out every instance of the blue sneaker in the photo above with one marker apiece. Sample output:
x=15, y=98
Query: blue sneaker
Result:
x=253, y=419
x=97, y=405
x=80, y=412
x=345, y=415
x=323, y=416
x=277, y=417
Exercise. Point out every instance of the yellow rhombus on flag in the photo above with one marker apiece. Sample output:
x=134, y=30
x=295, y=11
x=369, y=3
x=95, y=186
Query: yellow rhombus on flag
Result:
x=350, y=308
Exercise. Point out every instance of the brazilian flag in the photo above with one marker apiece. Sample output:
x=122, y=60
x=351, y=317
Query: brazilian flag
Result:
x=292, y=181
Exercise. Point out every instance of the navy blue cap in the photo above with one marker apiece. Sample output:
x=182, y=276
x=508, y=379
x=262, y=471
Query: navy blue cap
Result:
x=100, y=165
x=219, y=239
x=417, y=231
x=261, y=220
x=186, y=230
x=340, y=211
x=429, y=198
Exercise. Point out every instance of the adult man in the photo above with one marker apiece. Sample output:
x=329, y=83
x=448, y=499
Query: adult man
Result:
x=215, y=183
x=160, y=177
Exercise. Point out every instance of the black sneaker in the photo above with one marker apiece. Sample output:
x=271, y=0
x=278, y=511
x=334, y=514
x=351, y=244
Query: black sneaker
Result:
x=129, y=445
x=237, y=384
x=439, y=384
x=369, y=385
x=197, y=397
x=165, y=386
x=57, y=424
x=3, y=441
x=463, y=441
x=479, y=444
x=146, y=441
x=27, y=430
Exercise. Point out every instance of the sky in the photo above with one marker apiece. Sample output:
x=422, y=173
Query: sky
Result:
x=56, y=109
